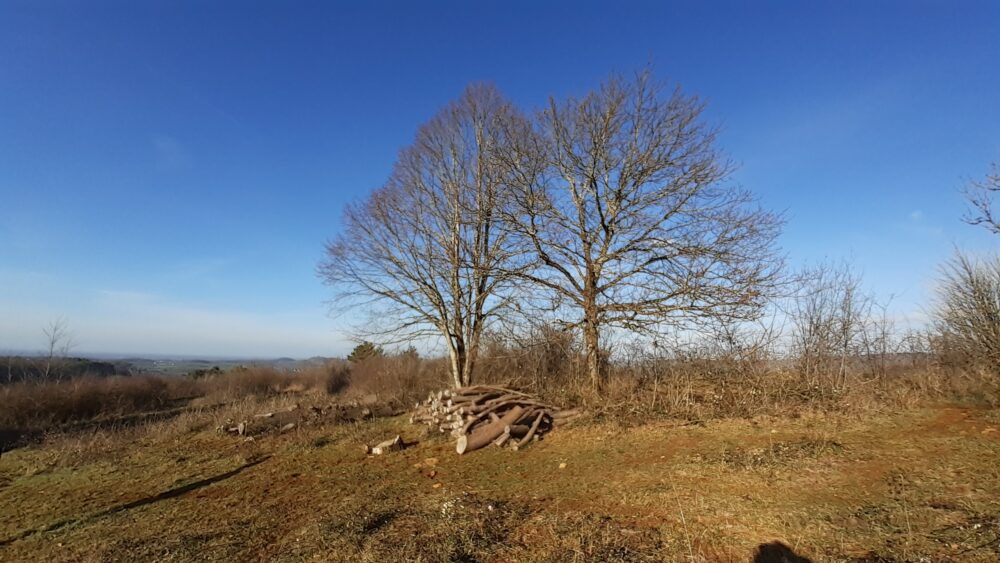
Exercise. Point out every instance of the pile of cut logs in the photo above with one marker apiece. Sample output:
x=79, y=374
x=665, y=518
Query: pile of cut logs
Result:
x=484, y=414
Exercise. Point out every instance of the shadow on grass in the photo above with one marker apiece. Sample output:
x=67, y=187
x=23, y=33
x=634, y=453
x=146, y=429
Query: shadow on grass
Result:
x=777, y=552
x=165, y=495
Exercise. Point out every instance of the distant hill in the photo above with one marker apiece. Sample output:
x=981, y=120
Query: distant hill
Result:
x=19, y=368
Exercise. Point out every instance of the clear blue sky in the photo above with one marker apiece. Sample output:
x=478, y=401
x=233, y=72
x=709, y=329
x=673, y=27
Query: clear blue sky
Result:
x=169, y=171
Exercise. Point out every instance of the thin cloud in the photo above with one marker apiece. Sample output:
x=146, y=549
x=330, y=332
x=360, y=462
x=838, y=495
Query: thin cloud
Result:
x=170, y=154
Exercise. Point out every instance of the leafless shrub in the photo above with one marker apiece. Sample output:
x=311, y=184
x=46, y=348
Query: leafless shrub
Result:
x=839, y=331
x=402, y=379
x=263, y=381
x=967, y=313
x=544, y=357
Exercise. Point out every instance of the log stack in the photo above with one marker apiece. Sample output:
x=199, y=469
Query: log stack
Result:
x=484, y=414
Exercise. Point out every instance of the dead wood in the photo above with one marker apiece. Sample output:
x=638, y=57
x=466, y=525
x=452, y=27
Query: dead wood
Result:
x=482, y=414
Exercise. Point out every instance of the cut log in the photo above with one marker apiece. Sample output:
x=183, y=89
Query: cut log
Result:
x=487, y=433
x=385, y=447
x=531, y=431
x=503, y=437
x=518, y=430
x=474, y=415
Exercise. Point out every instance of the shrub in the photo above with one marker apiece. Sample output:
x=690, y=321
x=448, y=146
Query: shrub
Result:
x=41, y=405
x=967, y=314
x=402, y=379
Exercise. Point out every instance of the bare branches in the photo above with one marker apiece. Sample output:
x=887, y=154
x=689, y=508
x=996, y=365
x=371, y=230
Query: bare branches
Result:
x=980, y=197
x=59, y=341
x=622, y=197
x=613, y=208
x=836, y=321
x=967, y=315
x=426, y=250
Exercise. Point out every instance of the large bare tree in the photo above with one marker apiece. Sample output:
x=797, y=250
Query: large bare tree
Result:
x=624, y=200
x=980, y=196
x=425, y=250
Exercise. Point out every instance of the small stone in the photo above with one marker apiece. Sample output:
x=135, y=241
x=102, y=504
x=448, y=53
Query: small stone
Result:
x=562, y=465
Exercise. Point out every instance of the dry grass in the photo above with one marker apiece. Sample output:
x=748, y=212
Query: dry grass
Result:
x=694, y=390
x=46, y=405
x=887, y=487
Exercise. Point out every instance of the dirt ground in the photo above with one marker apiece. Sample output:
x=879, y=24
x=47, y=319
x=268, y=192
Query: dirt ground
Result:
x=921, y=485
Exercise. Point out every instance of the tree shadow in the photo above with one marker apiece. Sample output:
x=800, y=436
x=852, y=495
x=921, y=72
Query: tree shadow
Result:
x=777, y=552
x=168, y=494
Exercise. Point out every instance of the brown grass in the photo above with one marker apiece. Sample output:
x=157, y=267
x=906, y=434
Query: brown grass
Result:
x=914, y=485
x=45, y=405
x=692, y=389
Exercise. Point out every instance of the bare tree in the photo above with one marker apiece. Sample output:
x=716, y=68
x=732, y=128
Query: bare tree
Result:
x=980, y=197
x=425, y=251
x=59, y=341
x=622, y=197
x=10, y=367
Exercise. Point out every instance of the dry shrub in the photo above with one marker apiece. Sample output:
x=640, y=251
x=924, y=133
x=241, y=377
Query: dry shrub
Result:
x=43, y=405
x=967, y=315
x=546, y=361
x=263, y=381
x=40, y=405
x=402, y=379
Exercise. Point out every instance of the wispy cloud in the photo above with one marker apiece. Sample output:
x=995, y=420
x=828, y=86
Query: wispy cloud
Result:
x=170, y=155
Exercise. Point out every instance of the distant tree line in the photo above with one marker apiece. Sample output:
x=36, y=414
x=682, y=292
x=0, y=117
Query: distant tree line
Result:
x=14, y=369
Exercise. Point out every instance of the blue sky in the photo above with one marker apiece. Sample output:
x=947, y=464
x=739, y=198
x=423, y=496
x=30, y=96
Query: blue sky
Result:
x=169, y=171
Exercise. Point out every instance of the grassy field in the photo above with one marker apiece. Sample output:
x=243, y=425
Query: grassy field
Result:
x=920, y=485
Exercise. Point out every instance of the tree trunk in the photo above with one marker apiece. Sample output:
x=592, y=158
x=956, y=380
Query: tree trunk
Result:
x=469, y=365
x=591, y=338
x=457, y=364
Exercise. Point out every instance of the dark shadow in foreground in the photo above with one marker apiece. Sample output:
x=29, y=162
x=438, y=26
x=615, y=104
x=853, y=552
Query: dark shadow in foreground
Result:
x=777, y=552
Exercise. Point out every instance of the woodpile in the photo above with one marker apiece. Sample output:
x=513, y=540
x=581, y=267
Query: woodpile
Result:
x=483, y=414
